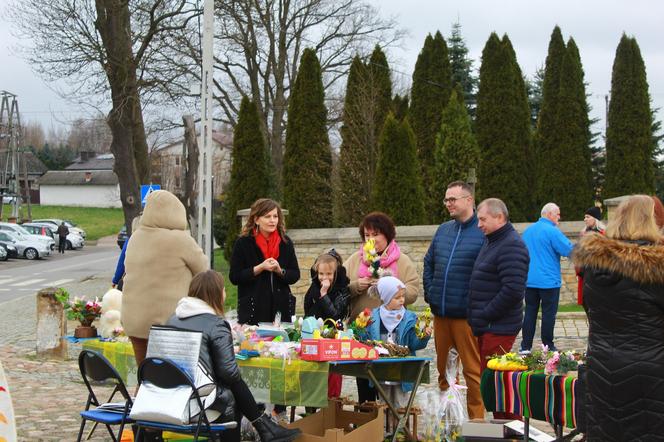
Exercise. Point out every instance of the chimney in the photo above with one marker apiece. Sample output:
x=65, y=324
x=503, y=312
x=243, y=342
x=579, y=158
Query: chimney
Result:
x=88, y=177
x=86, y=155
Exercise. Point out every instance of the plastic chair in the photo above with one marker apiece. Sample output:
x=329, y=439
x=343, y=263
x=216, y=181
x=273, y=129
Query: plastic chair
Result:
x=164, y=373
x=96, y=368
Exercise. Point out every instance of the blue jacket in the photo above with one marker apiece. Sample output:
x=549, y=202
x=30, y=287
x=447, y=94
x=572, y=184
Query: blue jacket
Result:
x=448, y=265
x=546, y=244
x=120, y=267
x=498, y=284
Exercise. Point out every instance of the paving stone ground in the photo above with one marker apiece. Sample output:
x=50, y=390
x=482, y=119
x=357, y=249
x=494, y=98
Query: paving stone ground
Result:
x=47, y=394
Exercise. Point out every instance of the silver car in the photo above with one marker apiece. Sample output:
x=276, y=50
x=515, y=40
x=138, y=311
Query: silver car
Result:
x=27, y=247
x=3, y=253
x=56, y=222
x=74, y=240
x=20, y=230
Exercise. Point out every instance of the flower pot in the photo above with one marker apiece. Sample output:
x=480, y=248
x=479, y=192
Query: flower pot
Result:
x=83, y=331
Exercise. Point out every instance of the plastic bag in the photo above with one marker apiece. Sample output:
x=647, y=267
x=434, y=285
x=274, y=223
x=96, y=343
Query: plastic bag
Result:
x=443, y=412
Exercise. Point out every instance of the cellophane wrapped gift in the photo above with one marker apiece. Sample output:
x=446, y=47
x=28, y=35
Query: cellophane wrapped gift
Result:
x=443, y=412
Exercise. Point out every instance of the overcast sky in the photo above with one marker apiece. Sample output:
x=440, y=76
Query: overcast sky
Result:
x=596, y=25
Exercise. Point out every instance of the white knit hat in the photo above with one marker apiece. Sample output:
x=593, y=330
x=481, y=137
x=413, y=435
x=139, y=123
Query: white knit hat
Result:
x=388, y=286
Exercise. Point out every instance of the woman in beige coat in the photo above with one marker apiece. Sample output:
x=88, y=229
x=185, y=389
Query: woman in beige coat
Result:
x=160, y=260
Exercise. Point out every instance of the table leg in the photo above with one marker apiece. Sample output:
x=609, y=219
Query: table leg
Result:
x=526, y=429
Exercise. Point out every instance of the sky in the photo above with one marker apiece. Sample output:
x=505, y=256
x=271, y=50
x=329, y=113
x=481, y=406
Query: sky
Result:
x=596, y=26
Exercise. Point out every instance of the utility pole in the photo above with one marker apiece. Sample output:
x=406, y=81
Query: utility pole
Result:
x=205, y=162
x=10, y=130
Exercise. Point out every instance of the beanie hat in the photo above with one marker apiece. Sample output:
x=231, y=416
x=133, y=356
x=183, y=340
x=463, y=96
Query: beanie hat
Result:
x=594, y=212
x=388, y=286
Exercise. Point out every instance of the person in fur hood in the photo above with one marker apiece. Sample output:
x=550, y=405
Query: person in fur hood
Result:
x=624, y=299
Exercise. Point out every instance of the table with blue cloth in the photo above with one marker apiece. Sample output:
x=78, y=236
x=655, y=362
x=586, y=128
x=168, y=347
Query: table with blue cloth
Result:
x=552, y=398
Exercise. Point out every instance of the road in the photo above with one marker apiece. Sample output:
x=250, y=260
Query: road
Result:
x=20, y=277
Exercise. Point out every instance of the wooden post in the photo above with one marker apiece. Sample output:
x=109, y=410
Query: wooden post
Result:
x=472, y=179
x=51, y=325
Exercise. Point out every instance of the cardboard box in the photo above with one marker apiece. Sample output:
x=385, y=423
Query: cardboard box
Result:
x=336, y=350
x=334, y=424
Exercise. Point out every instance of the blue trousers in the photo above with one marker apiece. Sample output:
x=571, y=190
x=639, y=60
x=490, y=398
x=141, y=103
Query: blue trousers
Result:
x=549, y=300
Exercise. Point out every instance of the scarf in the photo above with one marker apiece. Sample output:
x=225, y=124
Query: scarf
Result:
x=388, y=261
x=391, y=319
x=269, y=246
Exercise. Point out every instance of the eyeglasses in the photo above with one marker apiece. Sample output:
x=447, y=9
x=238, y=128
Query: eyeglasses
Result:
x=453, y=200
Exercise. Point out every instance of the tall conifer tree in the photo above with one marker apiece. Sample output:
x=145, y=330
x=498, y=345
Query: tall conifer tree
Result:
x=456, y=148
x=629, y=146
x=398, y=190
x=308, y=157
x=381, y=86
x=462, y=66
x=571, y=177
x=503, y=130
x=432, y=85
x=548, y=128
x=251, y=175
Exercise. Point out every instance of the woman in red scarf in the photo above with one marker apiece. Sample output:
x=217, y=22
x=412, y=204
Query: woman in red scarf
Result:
x=264, y=265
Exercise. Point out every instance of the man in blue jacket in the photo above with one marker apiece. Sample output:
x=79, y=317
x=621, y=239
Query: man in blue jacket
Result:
x=546, y=244
x=447, y=268
x=497, y=284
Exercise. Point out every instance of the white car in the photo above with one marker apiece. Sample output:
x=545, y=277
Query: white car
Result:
x=26, y=247
x=74, y=240
x=20, y=230
x=56, y=222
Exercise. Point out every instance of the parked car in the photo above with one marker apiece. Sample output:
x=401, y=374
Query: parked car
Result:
x=27, y=247
x=70, y=225
x=3, y=253
x=10, y=248
x=74, y=240
x=20, y=230
x=122, y=236
x=8, y=199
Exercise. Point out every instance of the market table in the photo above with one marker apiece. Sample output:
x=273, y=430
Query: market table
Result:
x=408, y=369
x=551, y=398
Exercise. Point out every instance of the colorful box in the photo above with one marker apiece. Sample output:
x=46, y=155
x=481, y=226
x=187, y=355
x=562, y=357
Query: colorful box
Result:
x=336, y=350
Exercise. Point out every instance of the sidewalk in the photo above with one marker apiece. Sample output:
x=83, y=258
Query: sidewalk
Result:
x=48, y=394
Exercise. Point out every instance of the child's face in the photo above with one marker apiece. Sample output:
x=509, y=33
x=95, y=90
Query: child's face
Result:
x=326, y=272
x=397, y=301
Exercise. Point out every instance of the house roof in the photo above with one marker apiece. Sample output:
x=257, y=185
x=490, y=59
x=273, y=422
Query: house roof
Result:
x=78, y=178
x=35, y=166
x=222, y=139
x=100, y=162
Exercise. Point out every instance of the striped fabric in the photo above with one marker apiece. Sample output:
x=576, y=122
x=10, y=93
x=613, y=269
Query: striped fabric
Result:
x=532, y=394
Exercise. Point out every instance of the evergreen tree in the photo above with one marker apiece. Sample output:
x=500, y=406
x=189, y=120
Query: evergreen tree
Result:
x=456, y=148
x=430, y=93
x=251, y=175
x=534, y=91
x=397, y=190
x=381, y=87
x=462, y=67
x=548, y=129
x=307, y=168
x=400, y=107
x=630, y=166
x=503, y=130
x=570, y=162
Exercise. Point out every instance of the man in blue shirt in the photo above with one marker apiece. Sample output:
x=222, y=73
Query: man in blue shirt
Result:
x=546, y=244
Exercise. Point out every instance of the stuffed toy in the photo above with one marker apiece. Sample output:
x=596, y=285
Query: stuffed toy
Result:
x=111, y=305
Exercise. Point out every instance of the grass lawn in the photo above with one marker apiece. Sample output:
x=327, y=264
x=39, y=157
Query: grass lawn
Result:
x=220, y=265
x=96, y=222
x=570, y=308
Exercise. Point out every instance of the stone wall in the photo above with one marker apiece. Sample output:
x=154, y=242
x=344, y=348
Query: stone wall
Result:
x=413, y=241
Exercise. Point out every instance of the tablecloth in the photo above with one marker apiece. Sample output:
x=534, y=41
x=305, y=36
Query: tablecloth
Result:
x=549, y=398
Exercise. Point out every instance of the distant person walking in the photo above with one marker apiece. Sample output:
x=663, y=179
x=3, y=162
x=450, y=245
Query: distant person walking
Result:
x=546, y=244
x=63, y=231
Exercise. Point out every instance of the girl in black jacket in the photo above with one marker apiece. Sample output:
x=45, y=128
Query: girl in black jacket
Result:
x=202, y=310
x=263, y=266
x=328, y=294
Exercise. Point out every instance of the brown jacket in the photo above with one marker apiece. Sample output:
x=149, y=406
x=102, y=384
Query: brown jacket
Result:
x=160, y=260
x=359, y=300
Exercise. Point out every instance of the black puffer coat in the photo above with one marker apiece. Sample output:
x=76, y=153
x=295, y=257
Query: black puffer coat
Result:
x=623, y=294
x=335, y=304
x=260, y=297
x=216, y=353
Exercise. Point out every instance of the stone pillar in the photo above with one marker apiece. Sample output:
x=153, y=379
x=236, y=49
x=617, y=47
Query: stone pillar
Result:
x=612, y=204
x=243, y=214
x=51, y=325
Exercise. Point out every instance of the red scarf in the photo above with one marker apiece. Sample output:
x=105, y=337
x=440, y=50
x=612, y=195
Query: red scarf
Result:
x=269, y=246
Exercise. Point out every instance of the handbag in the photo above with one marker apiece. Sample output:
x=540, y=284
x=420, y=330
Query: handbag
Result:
x=176, y=405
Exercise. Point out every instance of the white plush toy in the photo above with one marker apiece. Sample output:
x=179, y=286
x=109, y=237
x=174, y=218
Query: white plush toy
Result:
x=111, y=304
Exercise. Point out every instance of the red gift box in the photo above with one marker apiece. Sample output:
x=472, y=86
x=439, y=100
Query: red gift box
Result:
x=335, y=350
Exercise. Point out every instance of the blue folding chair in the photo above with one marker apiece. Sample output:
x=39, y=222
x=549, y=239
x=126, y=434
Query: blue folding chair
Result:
x=97, y=370
x=164, y=373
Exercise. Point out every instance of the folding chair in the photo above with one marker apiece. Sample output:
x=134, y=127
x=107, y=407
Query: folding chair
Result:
x=95, y=368
x=165, y=374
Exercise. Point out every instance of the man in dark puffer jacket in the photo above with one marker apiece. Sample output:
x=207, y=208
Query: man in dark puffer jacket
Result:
x=497, y=284
x=447, y=268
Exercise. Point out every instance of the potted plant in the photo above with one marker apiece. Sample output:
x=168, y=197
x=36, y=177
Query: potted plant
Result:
x=81, y=310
